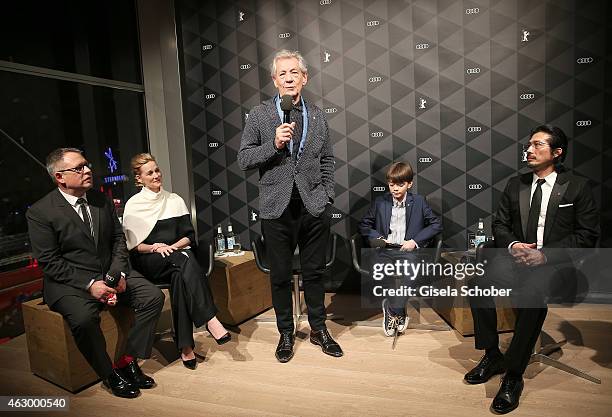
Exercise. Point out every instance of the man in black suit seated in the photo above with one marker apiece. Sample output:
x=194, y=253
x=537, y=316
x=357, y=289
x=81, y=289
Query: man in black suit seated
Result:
x=78, y=240
x=540, y=216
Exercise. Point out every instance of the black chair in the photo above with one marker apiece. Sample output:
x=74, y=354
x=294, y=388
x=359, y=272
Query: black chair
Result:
x=541, y=352
x=262, y=262
x=357, y=244
x=201, y=252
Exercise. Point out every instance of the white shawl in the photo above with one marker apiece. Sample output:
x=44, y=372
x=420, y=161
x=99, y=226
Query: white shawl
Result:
x=145, y=209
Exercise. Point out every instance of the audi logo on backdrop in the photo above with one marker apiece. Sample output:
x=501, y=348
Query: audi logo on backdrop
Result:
x=582, y=123
x=474, y=10
x=210, y=96
x=585, y=60
x=527, y=96
x=331, y=110
x=284, y=35
x=473, y=129
x=427, y=159
x=378, y=189
x=324, y=2
x=473, y=70
x=216, y=192
x=336, y=215
x=372, y=23
x=376, y=134
x=375, y=79
x=475, y=186
x=422, y=46
x=213, y=145
x=207, y=47
x=245, y=66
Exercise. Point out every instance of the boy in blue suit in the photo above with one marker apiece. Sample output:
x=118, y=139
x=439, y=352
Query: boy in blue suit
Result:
x=401, y=220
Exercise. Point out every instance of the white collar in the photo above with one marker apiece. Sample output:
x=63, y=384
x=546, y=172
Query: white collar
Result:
x=550, y=178
x=401, y=203
x=72, y=200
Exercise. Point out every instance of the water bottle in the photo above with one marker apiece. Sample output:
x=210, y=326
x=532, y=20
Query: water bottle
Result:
x=480, y=236
x=231, y=237
x=220, y=240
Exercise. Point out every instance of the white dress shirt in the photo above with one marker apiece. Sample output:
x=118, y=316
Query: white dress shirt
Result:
x=72, y=200
x=547, y=187
x=397, y=225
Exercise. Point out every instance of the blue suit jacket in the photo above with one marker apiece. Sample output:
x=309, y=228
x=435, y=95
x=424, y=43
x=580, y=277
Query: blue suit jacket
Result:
x=421, y=222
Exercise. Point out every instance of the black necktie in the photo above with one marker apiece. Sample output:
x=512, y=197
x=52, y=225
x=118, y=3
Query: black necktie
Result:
x=83, y=209
x=297, y=117
x=534, y=213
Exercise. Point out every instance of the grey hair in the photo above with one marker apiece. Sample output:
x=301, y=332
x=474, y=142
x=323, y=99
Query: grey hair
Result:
x=57, y=155
x=285, y=53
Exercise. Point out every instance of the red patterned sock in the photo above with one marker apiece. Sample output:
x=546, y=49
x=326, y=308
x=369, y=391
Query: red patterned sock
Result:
x=123, y=361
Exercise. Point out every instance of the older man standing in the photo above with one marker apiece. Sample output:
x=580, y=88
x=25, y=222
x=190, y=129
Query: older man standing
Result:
x=296, y=190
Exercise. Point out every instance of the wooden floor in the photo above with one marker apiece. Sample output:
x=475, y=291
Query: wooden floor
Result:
x=421, y=377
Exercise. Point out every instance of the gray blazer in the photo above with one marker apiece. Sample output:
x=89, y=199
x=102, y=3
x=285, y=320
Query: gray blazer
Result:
x=313, y=172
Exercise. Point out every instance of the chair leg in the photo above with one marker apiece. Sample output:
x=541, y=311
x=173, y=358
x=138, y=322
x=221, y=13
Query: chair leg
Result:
x=298, y=314
x=547, y=360
x=540, y=355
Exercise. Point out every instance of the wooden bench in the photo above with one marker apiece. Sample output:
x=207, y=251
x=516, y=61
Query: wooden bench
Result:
x=53, y=354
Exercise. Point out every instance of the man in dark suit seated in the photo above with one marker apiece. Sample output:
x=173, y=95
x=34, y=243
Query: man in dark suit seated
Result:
x=400, y=220
x=78, y=240
x=540, y=216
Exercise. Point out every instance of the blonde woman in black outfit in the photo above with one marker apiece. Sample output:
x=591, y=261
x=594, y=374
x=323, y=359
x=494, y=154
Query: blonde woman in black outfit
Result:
x=159, y=235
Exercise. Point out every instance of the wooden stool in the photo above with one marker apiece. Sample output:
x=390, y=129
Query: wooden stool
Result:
x=240, y=290
x=53, y=354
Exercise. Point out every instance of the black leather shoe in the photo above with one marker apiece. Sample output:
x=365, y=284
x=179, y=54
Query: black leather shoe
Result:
x=223, y=339
x=486, y=368
x=284, y=350
x=120, y=386
x=507, y=398
x=324, y=339
x=134, y=374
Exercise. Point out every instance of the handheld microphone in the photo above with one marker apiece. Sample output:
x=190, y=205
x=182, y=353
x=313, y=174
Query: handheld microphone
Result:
x=111, y=280
x=286, y=105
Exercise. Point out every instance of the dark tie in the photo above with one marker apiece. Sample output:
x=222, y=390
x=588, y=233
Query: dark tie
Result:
x=297, y=117
x=83, y=209
x=534, y=213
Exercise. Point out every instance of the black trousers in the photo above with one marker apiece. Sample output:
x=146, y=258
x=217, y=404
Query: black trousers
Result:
x=83, y=317
x=191, y=299
x=531, y=287
x=297, y=227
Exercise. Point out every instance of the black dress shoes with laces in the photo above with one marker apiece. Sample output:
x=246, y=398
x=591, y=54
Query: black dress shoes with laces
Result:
x=324, y=339
x=134, y=374
x=284, y=350
x=486, y=368
x=507, y=398
x=120, y=386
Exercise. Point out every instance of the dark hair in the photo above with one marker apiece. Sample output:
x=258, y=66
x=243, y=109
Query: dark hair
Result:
x=399, y=172
x=557, y=140
x=57, y=155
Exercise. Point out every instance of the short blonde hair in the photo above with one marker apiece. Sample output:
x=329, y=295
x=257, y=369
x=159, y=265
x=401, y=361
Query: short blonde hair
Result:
x=285, y=53
x=137, y=162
